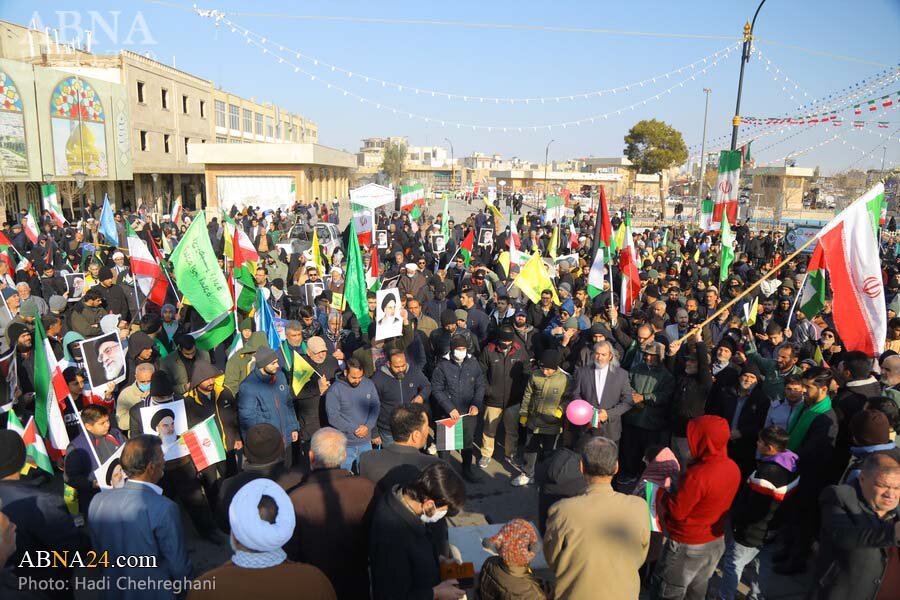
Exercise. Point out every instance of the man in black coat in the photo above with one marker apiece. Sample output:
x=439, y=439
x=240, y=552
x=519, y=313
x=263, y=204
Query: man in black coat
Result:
x=856, y=371
x=692, y=385
x=114, y=298
x=744, y=406
x=606, y=387
x=859, y=536
x=400, y=462
x=398, y=384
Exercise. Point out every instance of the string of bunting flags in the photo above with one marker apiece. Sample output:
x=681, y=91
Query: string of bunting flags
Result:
x=422, y=91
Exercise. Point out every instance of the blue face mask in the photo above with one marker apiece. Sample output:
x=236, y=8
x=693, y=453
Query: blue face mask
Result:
x=144, y=387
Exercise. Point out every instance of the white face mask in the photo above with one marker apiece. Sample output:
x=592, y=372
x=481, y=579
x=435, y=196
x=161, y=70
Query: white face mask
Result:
x=459, y=355
x=437, y=516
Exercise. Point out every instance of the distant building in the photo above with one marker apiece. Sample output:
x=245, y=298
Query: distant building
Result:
x=780, y=188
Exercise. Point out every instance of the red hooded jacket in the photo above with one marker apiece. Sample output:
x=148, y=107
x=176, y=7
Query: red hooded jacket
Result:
x=695, y=512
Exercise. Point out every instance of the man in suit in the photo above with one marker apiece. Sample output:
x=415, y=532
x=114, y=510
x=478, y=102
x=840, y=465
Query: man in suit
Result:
x=400, y=462
x=138, y=520
x=605, y=386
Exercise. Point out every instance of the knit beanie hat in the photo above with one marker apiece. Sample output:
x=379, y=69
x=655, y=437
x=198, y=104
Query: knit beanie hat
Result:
x=161, y=384
x=12, y=452
x=550, y=359
x=448, y=317
x=265, y=356
x=516, y=543
x=28, y=308
x=14, y=330
x=870, y=428
x=263, y=444
x=57, y=303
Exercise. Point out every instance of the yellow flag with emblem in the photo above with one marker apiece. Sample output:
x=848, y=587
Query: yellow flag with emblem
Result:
x=301, y=372
x=496, y=211
x=533, y=280
x=503, y=259
x=317, y=253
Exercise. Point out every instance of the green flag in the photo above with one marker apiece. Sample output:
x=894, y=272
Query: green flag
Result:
x=355, y=282
x=197, y=272
x=727, y=256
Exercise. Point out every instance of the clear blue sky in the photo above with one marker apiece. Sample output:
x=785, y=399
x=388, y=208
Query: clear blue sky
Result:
x=522, y=62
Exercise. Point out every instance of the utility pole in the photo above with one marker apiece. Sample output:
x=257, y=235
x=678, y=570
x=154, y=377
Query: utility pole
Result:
x=703, y=146
x=745, y=58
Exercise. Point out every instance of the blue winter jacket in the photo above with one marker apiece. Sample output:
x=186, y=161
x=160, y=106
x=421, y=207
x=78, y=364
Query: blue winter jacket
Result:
x=349, y=407
x=260, y=400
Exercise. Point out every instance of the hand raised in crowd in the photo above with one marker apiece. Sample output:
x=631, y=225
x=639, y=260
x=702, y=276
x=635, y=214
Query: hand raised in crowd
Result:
x=674, y=347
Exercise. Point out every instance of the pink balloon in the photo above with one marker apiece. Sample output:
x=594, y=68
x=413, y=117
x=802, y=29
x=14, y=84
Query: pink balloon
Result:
x=579, y=412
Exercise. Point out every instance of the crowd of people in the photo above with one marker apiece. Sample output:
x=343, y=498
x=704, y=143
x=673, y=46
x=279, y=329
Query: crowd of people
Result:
x=712, y=434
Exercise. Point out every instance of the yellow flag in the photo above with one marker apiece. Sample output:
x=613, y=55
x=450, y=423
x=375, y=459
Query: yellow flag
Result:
x=495, y=210
x=503, y=259
x=753, y=311
x=620, y=236
x=697, y=255
x=317, y=253
x=533, y=280
x=817, y=356
x=554, y=242
x=301, y=372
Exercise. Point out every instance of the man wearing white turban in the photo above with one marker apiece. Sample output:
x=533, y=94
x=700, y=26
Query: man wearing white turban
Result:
x=262, y=520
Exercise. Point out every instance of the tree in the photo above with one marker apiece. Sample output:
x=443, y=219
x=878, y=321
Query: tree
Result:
x=655, y=146
x=392, y=164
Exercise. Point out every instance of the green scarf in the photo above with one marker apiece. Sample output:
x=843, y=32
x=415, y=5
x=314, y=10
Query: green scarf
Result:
x=802, y=419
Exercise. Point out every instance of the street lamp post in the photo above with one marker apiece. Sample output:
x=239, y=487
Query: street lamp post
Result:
x=745, y=58
x=703, y=146
x=452, y=165
x=546, y=160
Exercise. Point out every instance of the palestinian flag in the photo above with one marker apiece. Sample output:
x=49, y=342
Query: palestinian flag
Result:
x=886, y=101
x=5, y=247
x=243, y=269
x=236, y=236
x=606, y=248
x=850, y=248
x=727, y=186
x=651, y=495
x=556, y=208
x=35, y=451
x=215, y=332
x=628, y=267
x=456, y=434
x=30, y=225
x=706, y=215
x=373, y=279
x=146, y=268
x=205, y=443
x=466, y=246
x=727, y=251
x=49, y=389
x=51, y=204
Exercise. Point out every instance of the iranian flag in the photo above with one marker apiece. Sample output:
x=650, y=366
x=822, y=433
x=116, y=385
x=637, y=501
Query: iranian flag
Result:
x=849, y=245
x=556, y=208
x=706, y=215
x=606, y=248
x=362, y=223
x=651, y=495
x=628, y=267
x=745, y=153
x=235, y=235
x=145, y=268
x=412, y=199
x=466, y=246
x=812, y=293
x=35, y=450
x=872, y=106
x=205, y=443
x=455, y=434
x=176, y=211
x=727, y=186
x=49, y=389
x=886, y=101
x=30, y=224
x=5, y=247
x=51, y=204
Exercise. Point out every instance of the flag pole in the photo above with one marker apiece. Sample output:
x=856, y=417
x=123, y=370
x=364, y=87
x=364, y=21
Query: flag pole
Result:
x=730, y=303
x=137, y=298
x=796, y=301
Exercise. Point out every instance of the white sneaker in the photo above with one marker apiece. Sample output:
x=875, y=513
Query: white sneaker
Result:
x=483, y=462
x=521, y=480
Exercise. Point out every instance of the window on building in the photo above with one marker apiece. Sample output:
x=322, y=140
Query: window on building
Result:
x=221, y=139
x=203, y=109
x=140, y=91
x=270, y=127
x=164, y=93
x=145, y=145
x=220, y=113
x=248, y=121
x=259, y=123
x=234, y=117
x=184, y=105
x=166, y=143
x=186, y=142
